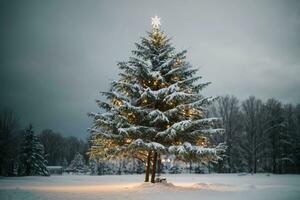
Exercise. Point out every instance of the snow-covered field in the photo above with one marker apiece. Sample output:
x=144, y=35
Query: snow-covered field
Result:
x=185, y=186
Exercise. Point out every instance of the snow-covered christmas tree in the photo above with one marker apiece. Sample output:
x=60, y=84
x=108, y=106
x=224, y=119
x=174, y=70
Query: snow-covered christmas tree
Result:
x=77, y=165
x=32, y=161
x=156, y=107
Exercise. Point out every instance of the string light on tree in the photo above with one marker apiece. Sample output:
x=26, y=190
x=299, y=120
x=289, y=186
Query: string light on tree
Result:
x=128, y=140
x=162, y=85
x=117, y=102
x=177, y=62
x=175, y=78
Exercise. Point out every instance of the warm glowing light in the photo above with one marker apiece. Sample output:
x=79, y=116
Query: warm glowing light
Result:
x=168, y=126
x=117, y=102
x=131, y=117
x=131, y=114
x=178, y=143
x=128, y=140
x=175, y=78
x=203, y=142
x=170, y=103
x=166, y=160
x=178, y=61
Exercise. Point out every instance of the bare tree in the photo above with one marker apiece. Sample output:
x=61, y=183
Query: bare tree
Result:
x=289, y=149
x=252, y=121
x=54, y=145
x=296, y=139
x=276, y=127
x=228, y=109
x=8, y=141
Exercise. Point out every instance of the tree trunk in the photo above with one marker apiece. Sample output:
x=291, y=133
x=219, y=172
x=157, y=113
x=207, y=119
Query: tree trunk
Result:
x=153, y=168
x=148, y=167
x=158, y=165
x=27, y=172
x=255, y=162
x=120, y=168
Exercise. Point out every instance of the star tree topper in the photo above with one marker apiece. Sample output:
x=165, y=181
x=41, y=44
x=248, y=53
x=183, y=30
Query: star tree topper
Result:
x=155, y=22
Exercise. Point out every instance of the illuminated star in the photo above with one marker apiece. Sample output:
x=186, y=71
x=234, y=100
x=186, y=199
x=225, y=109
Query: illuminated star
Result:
x=155, y=22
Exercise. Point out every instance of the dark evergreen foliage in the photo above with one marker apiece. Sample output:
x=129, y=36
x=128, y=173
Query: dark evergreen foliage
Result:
x=32, y=160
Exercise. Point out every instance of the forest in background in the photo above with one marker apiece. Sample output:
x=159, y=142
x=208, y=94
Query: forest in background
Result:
x=261, y=136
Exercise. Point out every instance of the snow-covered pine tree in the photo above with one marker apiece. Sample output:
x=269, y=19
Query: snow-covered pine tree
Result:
x=94, y=166
x=77, y=165
x=156, y=107
x=32, y=160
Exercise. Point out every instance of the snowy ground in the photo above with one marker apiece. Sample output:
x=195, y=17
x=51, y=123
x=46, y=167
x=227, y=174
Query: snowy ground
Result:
x=185, y=186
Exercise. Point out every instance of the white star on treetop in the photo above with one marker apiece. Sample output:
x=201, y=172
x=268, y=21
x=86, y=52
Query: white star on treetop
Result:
x=155, y=22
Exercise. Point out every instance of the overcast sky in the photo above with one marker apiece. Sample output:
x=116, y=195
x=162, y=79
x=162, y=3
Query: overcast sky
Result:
x=55, y=56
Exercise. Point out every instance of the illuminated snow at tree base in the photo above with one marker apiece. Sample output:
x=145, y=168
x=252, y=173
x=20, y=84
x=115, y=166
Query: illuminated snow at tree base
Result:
x=182, y=186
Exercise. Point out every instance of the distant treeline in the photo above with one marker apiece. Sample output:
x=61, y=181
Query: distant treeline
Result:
x=59, y=150
x=261, y=136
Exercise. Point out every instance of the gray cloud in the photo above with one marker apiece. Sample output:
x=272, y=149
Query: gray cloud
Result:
x=57, y=55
